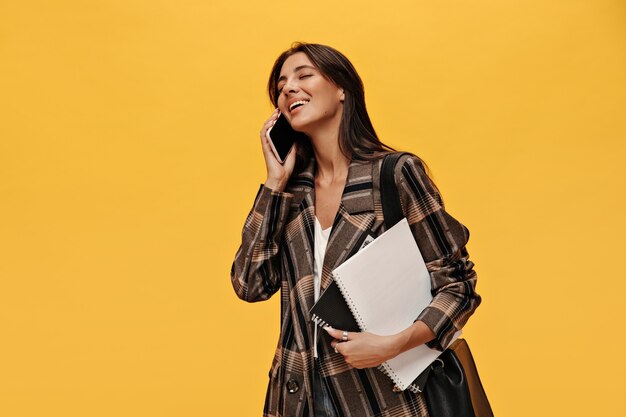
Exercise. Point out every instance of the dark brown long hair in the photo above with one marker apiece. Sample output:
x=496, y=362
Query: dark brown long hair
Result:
x=357, y=137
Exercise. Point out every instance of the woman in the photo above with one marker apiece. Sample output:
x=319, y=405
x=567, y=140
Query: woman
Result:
x=305, y=221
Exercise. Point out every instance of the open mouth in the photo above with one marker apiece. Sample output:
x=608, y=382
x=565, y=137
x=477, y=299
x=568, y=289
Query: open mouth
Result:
x=297, y=104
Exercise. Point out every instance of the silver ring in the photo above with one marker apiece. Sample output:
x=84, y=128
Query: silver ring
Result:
x=344, y=337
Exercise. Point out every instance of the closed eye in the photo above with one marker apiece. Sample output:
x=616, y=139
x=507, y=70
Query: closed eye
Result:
x=280, y=90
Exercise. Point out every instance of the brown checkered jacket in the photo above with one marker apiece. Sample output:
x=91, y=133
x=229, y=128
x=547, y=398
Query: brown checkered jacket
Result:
x=277, y=253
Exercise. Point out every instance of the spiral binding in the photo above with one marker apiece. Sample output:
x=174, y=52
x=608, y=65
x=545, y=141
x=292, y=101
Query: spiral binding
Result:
x=350, y=303
x=317, y=320
x=383, y=367
x=414, y=388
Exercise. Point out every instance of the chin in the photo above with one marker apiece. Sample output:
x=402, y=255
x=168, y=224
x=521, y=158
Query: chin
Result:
x=299, y=126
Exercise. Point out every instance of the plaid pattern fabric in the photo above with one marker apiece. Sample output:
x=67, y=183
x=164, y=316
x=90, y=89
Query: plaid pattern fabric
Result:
x=277, y=253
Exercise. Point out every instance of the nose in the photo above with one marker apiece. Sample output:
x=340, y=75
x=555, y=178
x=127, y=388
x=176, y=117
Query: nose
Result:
x=290, y=87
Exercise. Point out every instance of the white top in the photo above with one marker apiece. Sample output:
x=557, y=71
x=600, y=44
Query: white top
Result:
x=321, y=240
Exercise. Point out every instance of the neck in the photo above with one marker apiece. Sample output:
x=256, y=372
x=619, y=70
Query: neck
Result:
x=332, y=164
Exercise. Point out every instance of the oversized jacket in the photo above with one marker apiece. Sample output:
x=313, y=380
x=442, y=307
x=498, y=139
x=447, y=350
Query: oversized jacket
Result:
x=276, y=253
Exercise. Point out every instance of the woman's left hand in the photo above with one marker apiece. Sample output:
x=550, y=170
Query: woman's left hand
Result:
x=364, y=349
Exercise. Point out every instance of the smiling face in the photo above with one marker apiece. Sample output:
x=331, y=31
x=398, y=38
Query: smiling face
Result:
x=307, y=99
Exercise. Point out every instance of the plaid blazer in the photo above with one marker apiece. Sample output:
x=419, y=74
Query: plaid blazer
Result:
x=276, y=252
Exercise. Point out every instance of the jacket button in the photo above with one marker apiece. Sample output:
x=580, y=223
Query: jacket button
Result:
x=292, y=386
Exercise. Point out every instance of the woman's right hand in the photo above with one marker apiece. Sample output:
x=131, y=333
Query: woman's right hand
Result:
x=277, y=174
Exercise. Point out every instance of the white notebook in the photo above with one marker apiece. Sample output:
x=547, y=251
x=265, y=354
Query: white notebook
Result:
x=386, y=286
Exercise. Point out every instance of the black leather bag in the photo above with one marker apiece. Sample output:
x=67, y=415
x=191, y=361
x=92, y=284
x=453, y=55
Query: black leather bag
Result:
x=452, y=387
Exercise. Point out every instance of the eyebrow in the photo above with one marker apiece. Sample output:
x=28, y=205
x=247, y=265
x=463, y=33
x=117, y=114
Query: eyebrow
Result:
x=282, y=77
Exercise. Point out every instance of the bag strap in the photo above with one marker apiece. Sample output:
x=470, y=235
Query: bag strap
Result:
x=392, y=213
x=389, y=197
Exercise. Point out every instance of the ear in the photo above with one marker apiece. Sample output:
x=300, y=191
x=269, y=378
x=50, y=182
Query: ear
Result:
x=342, y=96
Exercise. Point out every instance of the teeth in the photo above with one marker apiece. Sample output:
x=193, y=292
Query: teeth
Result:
x=297, y=103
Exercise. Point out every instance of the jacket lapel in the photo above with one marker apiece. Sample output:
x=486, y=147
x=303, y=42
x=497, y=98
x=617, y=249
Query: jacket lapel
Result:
x=353, y=223
x=354, y=219
x=302, y=227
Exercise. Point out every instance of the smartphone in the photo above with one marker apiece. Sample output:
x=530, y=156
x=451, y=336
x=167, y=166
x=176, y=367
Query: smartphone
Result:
x=282, y=137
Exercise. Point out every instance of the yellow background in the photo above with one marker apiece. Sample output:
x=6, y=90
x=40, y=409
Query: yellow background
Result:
x=129, y=158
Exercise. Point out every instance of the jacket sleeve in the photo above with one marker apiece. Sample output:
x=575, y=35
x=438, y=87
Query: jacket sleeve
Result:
x=255, y=273
x=441, y=240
